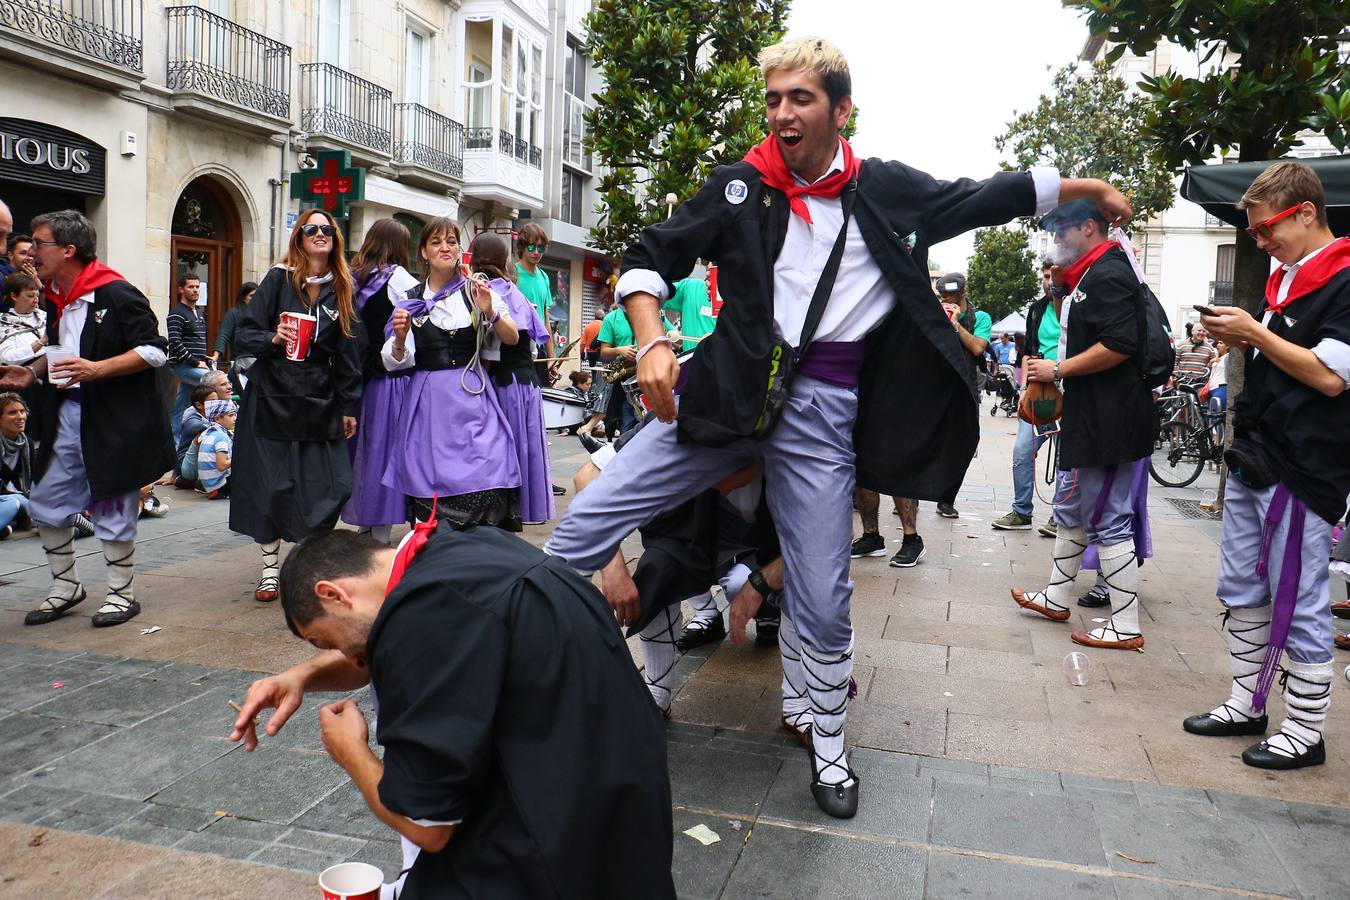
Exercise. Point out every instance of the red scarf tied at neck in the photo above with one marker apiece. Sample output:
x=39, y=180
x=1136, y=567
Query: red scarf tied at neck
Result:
x=421, y=533
x=91, y=278
x=1074, y=273
x=768, y=159
x=1310, y=276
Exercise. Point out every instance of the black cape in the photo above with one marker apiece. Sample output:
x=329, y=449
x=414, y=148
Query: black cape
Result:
x=124, y=428
x=917, y=426
x=1304, y=434
x=509, y=700
x=1108, y=416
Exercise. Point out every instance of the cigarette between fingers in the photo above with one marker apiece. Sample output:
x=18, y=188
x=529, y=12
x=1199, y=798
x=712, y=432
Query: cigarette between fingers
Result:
x=239, y=709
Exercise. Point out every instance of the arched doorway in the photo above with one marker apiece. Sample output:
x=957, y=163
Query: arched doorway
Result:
x=414, y=226
x=207, y=243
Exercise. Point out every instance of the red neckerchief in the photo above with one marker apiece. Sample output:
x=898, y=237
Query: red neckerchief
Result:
x=768, y=159
x=421, y=533
x=1310, y=276
x=91, y=278
x=1074, y=273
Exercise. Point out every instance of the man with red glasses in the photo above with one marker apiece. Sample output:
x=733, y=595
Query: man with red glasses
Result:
x=1290, y=472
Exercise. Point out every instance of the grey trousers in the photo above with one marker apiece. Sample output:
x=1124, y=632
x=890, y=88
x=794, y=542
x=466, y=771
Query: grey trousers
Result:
x=808, y=481
x=63, y=490
x=1079, y=494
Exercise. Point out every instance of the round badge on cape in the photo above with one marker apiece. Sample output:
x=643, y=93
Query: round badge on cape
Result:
x=736, y=192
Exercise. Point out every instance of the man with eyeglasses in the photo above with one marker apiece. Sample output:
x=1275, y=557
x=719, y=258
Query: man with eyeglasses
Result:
x=1105, y=429
x=104, y=434
x=1290, y=472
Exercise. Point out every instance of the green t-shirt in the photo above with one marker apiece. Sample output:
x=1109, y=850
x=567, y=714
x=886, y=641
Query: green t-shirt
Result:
x=690, y=300
x=1047, y=336
x=984, y=326
x=536, y=289
x=615, y=330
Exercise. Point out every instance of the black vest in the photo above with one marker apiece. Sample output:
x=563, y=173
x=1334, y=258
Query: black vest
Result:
x=437, y=348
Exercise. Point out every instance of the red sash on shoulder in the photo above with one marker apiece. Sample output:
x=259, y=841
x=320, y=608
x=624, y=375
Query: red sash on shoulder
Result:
x=768, y=159
x=91, y=278
x=421, y=533
x=1074, y=273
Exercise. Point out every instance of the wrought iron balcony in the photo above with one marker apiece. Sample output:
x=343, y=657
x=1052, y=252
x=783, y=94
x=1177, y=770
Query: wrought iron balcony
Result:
x=536, y=157
x=478, y=139
x=429, y=139
x=106, y=30
x=1221, y=293
x=211, y=55
x=337, y=104
x=506, y=142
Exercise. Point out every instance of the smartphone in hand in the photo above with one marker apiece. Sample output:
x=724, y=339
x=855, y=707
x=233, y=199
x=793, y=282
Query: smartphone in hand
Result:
x=1204, y=310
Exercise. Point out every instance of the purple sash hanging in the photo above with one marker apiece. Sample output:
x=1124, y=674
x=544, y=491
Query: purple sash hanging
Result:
x=375, y=280
x=1098, y=508
x=1143, y=536
x=1286, y=594
x=421, y=306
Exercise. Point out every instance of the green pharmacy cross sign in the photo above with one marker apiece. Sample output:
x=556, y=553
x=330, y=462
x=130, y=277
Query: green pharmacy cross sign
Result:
x=332, y=185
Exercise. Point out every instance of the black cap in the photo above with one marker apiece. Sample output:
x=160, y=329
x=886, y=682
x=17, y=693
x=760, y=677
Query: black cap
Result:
x=1075, y=212
x=952, y=283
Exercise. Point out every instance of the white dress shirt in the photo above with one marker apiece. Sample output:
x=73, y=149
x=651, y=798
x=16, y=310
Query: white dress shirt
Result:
x=861, y=297
x=71, y=329
x=1334, y=354
x=449, y=314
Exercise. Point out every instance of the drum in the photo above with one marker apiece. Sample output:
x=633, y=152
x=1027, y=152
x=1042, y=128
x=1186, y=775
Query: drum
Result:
x=634, y=394
x=561, y=409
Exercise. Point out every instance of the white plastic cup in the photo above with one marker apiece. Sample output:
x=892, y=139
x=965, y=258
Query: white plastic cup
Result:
x=54, y=353
x=1076, y=668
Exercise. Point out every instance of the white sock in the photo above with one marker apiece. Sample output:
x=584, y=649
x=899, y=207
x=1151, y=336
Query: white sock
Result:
x=705, y=609
x=382, y=533
x=119, y=557
x=1070, y=544
x=1120, y=571
x=1248, y=633
x=59, y=545
x=658, y=652
x=796, y=704
x=1307, y=694
x=827, y=678
x=271, y=555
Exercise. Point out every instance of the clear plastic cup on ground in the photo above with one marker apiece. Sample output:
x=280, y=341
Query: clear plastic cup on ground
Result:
x=1076, y=668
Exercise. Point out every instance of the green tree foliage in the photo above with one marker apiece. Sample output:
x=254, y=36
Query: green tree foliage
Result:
x=1091, y=125
x=1003, y=272
x=683, y=95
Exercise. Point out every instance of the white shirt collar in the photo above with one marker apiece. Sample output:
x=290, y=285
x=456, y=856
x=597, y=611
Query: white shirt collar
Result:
x=1293, y=266
x=836, y=165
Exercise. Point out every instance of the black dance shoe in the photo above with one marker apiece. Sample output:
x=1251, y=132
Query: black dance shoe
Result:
x=1212, y=726
x=43, y=616
x=1260, y=756
x=589, y=442
x=837, y=800
x=696, y=634
x=117, y=616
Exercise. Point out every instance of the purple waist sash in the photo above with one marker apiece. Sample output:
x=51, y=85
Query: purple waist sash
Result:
x=1286, y=594
x=833, y=362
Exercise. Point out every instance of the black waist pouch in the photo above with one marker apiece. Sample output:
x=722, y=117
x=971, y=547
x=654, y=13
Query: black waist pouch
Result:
x=1250, y=464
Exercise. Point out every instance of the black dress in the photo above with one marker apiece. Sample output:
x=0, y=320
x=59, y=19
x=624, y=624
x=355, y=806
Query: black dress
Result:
x=291, y=471
x=508, y=701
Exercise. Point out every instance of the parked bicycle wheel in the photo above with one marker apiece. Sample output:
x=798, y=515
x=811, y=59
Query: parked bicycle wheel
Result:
x=1179, y=457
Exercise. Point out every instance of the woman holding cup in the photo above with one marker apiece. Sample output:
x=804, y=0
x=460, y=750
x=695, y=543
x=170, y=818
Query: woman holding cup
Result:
x=452, y=440
x=291, y=472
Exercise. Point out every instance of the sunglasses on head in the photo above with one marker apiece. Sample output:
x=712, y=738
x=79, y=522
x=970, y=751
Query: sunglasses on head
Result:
x=535, y=248
x=325, y=230
x=1263, y=229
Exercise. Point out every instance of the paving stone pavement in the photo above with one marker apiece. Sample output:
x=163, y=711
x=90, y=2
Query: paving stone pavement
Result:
x=984, y=774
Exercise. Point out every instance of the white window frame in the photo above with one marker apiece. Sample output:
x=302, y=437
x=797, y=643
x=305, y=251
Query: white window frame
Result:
x=419, y=92
x=323, y=52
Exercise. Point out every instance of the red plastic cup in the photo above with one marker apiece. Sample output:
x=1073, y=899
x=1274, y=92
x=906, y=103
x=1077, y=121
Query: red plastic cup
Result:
x=351, y=881
x=298, y=348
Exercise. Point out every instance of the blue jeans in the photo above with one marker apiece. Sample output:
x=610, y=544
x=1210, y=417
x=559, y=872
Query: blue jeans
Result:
x=10, y=507
x=1024, y=466
x=188, y=378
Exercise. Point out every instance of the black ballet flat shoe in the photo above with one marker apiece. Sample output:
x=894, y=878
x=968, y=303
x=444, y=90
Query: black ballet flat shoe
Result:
x=1259, y=756
x=766, y=632
x=1212, y=726
x=43, y=616
x=835, y=800
x=589, y=442
x=694, y=636
x=559, y=490
x=117, y=617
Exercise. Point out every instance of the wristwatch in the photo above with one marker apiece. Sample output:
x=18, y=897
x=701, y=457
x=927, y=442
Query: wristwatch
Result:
x=759, y=583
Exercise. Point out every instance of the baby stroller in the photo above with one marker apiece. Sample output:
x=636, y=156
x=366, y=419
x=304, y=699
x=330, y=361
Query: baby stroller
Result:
x=1004, y=384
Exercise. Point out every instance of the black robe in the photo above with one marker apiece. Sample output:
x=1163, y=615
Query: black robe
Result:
x=291, y=472
x=917, y=426
x=1303, y=433
x=124, y=427
x=509, y=700
x=1108, y=416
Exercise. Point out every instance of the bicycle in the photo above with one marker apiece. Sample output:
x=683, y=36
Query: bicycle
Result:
x=1185, y=439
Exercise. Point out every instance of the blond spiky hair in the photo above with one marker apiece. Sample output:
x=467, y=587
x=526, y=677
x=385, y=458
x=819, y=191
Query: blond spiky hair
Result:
x=810, y=54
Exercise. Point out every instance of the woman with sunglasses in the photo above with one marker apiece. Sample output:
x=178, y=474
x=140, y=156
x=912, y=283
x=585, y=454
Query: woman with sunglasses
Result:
x=452, y=441
x=516, y=381
x=380, y=278
x=291, y=472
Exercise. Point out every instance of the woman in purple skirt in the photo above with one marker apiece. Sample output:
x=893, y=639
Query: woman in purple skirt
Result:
x=452, y=441
x=381, y=278
x=516, y=380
